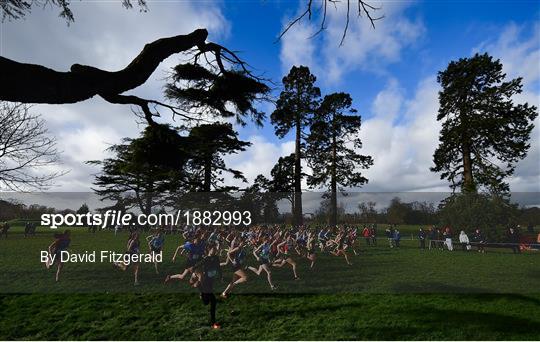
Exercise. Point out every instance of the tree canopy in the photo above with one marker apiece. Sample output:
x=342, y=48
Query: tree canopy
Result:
x=484, y=133
x=294, y=111
x=332, y=149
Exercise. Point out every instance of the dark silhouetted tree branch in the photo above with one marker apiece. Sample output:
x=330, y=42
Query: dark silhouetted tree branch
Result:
x=30, y=83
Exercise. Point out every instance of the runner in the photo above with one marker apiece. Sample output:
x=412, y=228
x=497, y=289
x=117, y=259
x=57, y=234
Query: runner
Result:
x=310, y=245
x=237, y=256
x=262, y=254
x=340, y=247
x=196, y=252
x=61, y=243
x=155, y=244
x=133, y=247
x=208, y=271
x=284, y=248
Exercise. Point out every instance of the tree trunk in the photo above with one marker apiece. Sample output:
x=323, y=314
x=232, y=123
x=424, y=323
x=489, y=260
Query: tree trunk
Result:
x=298, y=216
x=207, y=185
x=468, y=181
x=333, y=185
x=149, y=198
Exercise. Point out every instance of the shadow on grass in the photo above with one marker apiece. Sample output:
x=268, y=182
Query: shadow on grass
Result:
x=475, y=321
x=428, y=287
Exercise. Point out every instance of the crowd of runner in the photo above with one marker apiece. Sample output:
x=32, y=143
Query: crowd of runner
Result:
x=257, y=250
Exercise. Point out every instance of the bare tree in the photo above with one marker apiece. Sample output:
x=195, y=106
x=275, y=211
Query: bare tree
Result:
x=25, y=145
x=363, y=8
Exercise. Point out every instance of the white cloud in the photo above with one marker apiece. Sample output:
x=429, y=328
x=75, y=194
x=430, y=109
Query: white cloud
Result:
x=258, y=159
x=518, y=48
x=403, y=149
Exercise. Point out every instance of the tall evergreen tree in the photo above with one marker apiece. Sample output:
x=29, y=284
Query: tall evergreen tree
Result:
x=143, y=170
x=295, y=108
x=484, y=134
x=332, y=148
x=208, y=144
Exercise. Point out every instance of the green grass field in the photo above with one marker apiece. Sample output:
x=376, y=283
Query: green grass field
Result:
x=386, y=294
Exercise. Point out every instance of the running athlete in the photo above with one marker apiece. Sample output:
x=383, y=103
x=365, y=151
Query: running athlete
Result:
x=195, y=251
x=208, y=271
x=237, y=257
x=284, y=248
x=340, y=247
x=310, y=246
x=155, y=244
x=188, y=234
x=133, y=248
x=61, y=243
x=351, y=239
x=262, y=254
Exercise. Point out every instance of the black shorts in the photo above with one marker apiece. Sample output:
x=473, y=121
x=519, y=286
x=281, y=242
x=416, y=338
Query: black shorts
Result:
x=264, y=261
x=237, y=267
x=190, y=263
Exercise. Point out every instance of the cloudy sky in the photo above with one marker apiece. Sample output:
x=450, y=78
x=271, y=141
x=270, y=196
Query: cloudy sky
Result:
x=390, y=72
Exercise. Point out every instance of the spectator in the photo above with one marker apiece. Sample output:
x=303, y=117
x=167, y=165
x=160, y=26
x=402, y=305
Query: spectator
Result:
x=390, y=236
x=397, y=238
x=464, y=240
x=440, y=242
x=5, y=228
x=432, y=235
x=373, y=233
x=513, y=238
x=447, y=235
x=367, y=235
x=422, y=238
x=479, y=239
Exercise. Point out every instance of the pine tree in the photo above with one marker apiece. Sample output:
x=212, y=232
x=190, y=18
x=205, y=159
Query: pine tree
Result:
x=332, y=148
x=295, y=108
x=484, y=134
